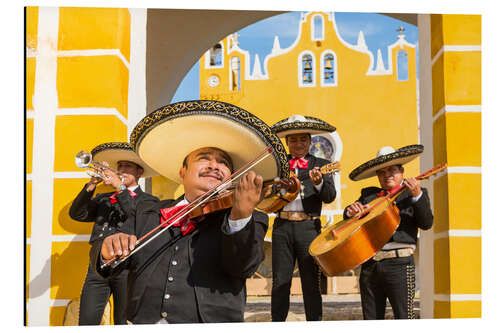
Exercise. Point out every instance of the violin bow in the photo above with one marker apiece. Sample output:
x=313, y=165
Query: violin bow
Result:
x=189, y=208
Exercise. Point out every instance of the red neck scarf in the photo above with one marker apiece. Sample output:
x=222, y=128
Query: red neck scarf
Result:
x=186, y=224
x=300, y=163
x=113, y=200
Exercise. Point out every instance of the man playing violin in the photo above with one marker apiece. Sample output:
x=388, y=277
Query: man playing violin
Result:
x=194, y=272
x=390, y=273
x=108, y=211
x=298, y=223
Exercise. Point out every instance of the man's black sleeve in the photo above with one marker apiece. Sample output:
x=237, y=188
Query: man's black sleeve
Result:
x=84, y=208
x=243, y=251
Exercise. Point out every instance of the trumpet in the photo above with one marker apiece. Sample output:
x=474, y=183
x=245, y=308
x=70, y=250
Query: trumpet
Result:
x=83, y=159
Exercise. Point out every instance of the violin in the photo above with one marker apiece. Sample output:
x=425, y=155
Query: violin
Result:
x=210, y=201
x=284, y=192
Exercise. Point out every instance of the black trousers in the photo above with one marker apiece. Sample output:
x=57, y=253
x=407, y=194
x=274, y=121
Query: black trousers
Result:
x=291, y=240
x=95, y=295
x=392, y=279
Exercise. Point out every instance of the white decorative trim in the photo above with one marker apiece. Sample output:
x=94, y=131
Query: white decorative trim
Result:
x=92, y=112
x=464, y=169
x=30, y=114
x=457, y=297
x=458, y=170
x=401, y=43
x=455, y=48
x=93, y=53
x=257, y=73
x=237, y=60
x=60, y=302
x=45, y=102
x=313, y=28
x=28, y=241
x=300, y=69
x=322, y=69
x=29, y=177
x=137, y=107
x=207, y=57
x=70, y=175
x=70, y=238
x=458, y=233
x=456, y=108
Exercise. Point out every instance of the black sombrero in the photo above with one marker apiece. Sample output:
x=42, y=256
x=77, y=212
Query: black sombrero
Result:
x=167, y=135
x=386, y=156
x=113, y=152
x=301, y=124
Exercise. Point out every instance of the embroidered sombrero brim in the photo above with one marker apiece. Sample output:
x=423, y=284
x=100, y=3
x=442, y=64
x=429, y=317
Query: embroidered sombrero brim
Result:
x=166, y=136
x=400, y=156
x=311, y=125
x=113, y=152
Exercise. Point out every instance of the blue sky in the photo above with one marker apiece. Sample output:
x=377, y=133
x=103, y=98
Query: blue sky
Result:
x=258, y=38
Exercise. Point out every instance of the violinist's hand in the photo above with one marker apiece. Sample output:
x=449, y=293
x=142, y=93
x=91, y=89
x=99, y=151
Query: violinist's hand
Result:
x=246, y=195
x=117, y=245
x=355, y=208
x=413, y=187
x=315, y=175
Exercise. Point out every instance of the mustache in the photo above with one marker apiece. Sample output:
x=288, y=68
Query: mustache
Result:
x=215, y=173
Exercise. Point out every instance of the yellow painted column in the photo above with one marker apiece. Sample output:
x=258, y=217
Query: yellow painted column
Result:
x=77, y=97
x=456, y=111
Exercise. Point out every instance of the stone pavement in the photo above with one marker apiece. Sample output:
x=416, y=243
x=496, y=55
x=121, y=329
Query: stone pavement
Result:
x=335, y=307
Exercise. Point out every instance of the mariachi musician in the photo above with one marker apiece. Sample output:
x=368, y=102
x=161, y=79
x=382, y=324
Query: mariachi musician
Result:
x=298, y=223
x=195, y=271
x=390, y=273
x=109, y=211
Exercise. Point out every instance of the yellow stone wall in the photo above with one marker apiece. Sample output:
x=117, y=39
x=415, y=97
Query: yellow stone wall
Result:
x=92, y=47
x=358, y=106
x=456, y=82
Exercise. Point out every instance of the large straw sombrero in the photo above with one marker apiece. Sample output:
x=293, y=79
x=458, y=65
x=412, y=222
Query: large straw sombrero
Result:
x=113, y=152
x=386, y=156
x=297, y=124
x=167, y=135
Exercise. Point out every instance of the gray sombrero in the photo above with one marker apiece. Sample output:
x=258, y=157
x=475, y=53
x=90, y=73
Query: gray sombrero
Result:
x=167, y=135
x=113, y=152
x=297, y=124
x=386, y=156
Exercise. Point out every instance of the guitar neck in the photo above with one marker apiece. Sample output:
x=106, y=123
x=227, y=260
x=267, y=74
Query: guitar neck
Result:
x=325, y=170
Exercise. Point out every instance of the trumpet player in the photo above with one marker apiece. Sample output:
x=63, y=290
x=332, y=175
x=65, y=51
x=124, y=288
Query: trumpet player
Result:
x=108, y=211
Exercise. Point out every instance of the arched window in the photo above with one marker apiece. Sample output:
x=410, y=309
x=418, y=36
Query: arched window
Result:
x=402, y=65
x=235, y=77
x=306, y=70
x=215, y=56
x=318, y=31
x=328, y=69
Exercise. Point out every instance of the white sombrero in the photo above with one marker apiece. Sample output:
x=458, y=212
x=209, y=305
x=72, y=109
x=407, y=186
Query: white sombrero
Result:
x=113, y=152
x=166, y=136
x=386, y=156
x=297, y=124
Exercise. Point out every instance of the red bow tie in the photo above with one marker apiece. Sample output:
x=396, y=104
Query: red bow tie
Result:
x=187, y=225
x=382, y=193
x=113, y=200
x=300, y=163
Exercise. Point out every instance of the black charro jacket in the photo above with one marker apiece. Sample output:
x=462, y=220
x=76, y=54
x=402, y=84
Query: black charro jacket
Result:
x=106, y=216
x=217, y=267
x=312, y=200
x=413, y=215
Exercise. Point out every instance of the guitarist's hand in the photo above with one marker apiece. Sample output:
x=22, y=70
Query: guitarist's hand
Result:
x=315, y=175
x=413, y=187
x=355, y=208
